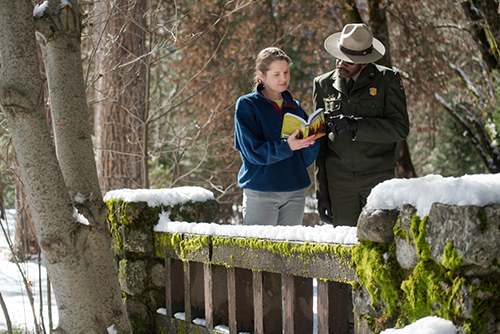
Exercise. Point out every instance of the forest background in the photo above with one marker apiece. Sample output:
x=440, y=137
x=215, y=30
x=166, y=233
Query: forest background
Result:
x=162, y=78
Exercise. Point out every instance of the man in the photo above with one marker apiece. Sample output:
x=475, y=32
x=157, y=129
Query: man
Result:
x=365, y=108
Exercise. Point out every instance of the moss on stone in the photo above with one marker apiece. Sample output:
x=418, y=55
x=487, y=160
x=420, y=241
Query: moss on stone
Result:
x=451, y=260
x=114, y=226
x=417, y=229
x=378, y=274
x=427, y=291
x=439, y=289
x=399, y=232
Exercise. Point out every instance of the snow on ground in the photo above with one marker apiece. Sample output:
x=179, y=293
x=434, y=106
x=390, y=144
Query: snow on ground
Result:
x=427, y=325
x=421, y=192
x=12, y=287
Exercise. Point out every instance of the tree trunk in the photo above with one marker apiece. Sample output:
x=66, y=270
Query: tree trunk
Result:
x=71, y=249
x=351, y=11
x=120, y=115
x=379, y=26
x=76, y=156
x=485, y=18
x=25, y=243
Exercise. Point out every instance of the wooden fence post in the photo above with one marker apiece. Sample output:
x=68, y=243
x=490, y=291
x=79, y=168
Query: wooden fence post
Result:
x=267, y=302
x=298, y=312
x=240, y=300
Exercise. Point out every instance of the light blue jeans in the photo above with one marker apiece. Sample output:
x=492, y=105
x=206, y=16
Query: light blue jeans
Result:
x=273, y=208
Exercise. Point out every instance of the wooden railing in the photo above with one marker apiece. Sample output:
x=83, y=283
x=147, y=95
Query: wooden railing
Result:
x=251, y=285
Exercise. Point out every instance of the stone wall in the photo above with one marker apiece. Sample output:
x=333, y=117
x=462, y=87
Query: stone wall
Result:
x=141, y=272
x=405, y=267
x=446, y=264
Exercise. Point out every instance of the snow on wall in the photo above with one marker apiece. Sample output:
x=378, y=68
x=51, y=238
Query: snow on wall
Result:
x=478, y=189
x=322, y=233
x=157, y=197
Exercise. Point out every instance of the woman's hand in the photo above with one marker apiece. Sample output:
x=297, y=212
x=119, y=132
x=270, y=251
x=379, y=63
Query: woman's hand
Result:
x=297, y=144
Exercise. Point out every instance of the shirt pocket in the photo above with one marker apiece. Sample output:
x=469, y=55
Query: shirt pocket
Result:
x=370, y=106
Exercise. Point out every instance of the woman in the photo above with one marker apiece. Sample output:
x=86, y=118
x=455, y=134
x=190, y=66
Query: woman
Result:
x=273, y=174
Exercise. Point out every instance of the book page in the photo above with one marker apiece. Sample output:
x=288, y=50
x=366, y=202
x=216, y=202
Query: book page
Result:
x=317, y=124
x=291, y=123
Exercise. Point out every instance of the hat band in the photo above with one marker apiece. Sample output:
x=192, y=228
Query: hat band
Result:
x=356, y=53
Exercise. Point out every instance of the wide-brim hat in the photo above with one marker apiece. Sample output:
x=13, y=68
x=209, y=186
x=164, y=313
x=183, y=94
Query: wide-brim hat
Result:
x=355, y=44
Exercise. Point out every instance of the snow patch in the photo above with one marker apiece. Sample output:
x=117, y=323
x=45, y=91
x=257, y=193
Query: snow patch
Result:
x=157, y=197
x=322, y=234
x=39, y=9
x=200, y=322
x=112, y=329
x=79, y=217
x=427, y=325
x=222, y=328
x=79, y=198
x=180, y=316
x=422, y=192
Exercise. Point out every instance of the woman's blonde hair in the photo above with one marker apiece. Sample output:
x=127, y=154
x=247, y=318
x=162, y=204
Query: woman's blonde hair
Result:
x=264, y=60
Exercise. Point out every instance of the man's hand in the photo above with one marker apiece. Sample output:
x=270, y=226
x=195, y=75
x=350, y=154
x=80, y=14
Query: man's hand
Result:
x=324, y=209
x=340, y=124
x=297, y=144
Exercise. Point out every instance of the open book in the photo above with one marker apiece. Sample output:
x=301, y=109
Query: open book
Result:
x=315, y=125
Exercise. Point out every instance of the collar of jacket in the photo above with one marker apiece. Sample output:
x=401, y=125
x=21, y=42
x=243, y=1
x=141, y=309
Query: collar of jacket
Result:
x=366, y=76
x=288, y=102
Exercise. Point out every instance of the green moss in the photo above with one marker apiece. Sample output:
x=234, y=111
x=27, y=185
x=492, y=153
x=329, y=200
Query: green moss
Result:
x=193, y=244
x=166, y=243
x=124, y=216
x=429, y=291
x=399, y=232
x=438, y=289
x=451, y=260
x=304, y=250
x=114, y=226
x=122, y=270
x=417, y=229
x=378, y=275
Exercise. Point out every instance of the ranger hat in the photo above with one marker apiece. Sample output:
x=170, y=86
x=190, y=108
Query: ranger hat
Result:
x=355, y=44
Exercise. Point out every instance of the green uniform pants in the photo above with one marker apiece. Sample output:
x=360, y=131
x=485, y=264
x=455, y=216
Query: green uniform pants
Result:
x=348, y=192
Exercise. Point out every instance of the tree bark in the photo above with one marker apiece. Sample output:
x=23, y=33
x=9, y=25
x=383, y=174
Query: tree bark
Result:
x=71, y=249
x=378, y=23
x=485, y=19
x=380, y=28
x=70, y=119
x=120, y=116
x=351, y=11
x=25, y=243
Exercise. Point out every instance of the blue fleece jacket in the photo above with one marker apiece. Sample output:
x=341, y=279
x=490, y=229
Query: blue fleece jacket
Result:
x=268, y=163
